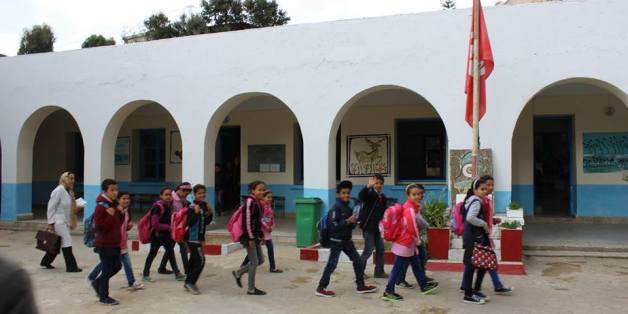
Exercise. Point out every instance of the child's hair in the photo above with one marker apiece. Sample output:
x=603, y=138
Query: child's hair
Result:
x=199, y=187
x=183, y=185
x=474, y=185
x=487, y=178
x=268, y=192
x=164, y=189
x=107, y=183
x=344, y=185
x=379, y=177
x=123, y=193
x=414, y=186
x=254, y=185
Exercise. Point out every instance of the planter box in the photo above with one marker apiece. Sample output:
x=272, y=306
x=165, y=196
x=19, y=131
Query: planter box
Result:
x=512, y=245
x=514, y=213
x=438, y=243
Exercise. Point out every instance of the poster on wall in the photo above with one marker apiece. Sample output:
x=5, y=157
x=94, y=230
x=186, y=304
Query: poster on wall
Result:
x=176, y=150
x=368, y=155
x=605, y=152
x=460, y=165
x=122, y=151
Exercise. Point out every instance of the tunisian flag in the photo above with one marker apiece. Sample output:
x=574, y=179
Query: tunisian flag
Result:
x=486, y=66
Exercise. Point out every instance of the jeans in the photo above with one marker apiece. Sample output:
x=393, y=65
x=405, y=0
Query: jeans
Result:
x=125, y=259
x=155, y=244
x=401, y=263
x=422, y=258
x=467, y=275
x=256, y=257
x=373, y=240
x=334, y=254
x=183, y=249
x=271, y=255
x=110, y=263
x=196, y=263
x=497, y=284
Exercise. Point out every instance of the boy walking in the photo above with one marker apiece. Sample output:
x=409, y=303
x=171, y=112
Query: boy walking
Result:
x=371, y=214
x=341, y=223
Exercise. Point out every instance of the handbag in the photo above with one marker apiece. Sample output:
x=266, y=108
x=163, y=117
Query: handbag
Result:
x=48, y=242
x=483, y=257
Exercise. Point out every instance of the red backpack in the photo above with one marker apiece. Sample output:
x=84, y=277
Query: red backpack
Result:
x=145, y=225
x=179, y=225
x=234, y=226
x=390, y=225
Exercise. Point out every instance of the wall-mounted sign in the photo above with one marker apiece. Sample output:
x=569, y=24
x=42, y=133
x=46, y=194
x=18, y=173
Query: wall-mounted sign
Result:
x=368, y=155
x=460, y=163
x=605, y=152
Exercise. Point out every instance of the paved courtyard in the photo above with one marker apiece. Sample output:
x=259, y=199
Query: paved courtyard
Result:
x=553, y=285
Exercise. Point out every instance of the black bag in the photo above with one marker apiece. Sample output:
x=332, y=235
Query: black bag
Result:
x=48, y=241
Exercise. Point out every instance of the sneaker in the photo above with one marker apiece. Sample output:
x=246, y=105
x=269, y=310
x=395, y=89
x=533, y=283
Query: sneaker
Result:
x=276, y=271
x=321, y=292
x=192, y=289
x=165, y=271
x=381, y=276
x=179, y=277
x=392, y=297
x=505, y=290
x=474, y=299
x=136, y=286
x=75, y=270
x=405, y=284
x=147, y=279
x=237, y=278
x=366, y=289
x=430, y=288
x=481, y=295
x=109, y=301
x=256, y=292
x=429, y=279
x=47, y=266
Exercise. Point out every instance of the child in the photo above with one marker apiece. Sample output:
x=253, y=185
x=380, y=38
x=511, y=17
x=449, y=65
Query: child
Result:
x=476, y=230
x=161, y=215
x=268, y=223
x=108, y=222
x=405, y=247
x=124, y=199
x=371, y=214
x=252, y=236
x=179, y=201
x=341, y=223
x=199, y=215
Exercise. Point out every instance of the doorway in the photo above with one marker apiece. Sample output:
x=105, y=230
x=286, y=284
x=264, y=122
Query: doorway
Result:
x=553, y=166
x=227, y=169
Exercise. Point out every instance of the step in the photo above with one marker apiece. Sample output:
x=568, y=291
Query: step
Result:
x=545, y=253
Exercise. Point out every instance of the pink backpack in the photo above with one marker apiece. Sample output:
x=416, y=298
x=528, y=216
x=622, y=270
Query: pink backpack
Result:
x=179, y=225
x=145, y=226
x=234, y=226
x=389, y=226
x=456, y=222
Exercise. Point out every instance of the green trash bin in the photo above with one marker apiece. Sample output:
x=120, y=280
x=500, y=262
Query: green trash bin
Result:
x=308, y=213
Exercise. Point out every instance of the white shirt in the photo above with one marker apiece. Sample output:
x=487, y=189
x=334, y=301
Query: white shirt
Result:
x=59, y=206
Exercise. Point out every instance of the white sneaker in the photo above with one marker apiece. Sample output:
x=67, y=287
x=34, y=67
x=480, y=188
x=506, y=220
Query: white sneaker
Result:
x=136, y=286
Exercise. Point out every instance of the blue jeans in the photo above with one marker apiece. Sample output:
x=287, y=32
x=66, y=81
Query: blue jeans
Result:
x=467, y=275
x=422, y=258
x=125, y=259
x=334, y=254
x=373, y=240
x=401, y=263
x=497, y=284
x=271, y=255
x=110, y=264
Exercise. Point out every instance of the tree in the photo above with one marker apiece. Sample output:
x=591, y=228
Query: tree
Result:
x=263, y=13
x=158, y=26
x=190, y=25
x=39, y=39
x=224, y=15
x=97, y=41
x=448, y=4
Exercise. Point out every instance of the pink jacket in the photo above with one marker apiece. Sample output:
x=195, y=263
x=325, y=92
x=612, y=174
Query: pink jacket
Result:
x=409, y=236
x=268, y=220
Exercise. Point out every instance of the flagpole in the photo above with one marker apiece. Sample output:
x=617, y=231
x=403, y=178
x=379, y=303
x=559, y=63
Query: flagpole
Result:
x=476, y=89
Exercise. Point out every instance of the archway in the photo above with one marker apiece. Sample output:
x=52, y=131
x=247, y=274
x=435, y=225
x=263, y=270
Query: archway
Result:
x=570, y=151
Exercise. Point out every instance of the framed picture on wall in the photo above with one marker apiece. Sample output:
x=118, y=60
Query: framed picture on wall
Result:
x=176, y=149
x=122, y=151
x=368, y=155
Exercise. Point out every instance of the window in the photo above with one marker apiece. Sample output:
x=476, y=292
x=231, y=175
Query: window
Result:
x=421, y=149
x=152, y=148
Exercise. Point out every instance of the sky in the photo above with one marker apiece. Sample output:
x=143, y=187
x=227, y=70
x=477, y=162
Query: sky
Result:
x=74, y=20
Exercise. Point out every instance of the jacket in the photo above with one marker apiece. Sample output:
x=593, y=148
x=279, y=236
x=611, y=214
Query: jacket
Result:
x=108, y=227
x=251, y=220
x=161, y=217
x=268, y=219
x=340, y=229
x=474, y=223
x=197, y=223
x=409, y=232
x=374, y=206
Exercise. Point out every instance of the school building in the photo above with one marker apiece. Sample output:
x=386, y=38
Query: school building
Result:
x=304, y=106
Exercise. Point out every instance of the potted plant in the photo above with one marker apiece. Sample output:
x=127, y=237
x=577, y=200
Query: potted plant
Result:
x=437, y=215
x=514, y=211
x=511, y=241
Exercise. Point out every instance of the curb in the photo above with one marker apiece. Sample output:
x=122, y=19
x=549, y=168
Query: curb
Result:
x=208, y=249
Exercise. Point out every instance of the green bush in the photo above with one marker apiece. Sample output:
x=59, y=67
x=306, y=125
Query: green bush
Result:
x=436, y=213
x=514, y=205
x=510, y=224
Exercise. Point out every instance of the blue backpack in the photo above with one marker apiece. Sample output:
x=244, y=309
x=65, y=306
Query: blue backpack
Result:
x=89, y=231
x=324, y=234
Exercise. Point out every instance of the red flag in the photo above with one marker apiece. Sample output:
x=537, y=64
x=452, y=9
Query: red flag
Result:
x=486, y=66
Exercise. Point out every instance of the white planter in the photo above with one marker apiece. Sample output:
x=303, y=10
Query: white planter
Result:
x=514, y=213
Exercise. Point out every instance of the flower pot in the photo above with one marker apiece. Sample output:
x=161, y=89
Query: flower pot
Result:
x=438, y=243
x=512, y=245
x=514, y=213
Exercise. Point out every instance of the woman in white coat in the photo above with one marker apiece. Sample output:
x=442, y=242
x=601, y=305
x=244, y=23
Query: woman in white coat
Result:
x=61, y=217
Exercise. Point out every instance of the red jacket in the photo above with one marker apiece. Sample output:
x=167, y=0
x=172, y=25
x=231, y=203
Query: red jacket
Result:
x=409, y=232
x=107, y=226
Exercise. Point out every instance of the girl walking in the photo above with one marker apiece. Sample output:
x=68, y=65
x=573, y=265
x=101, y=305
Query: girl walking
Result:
x=199, y=215
x=268, y=223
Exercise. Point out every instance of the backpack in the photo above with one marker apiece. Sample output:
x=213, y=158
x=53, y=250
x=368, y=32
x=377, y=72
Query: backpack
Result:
x=234, y=226
x=145, y=227
x=456, y=222
x=89, y=231
x=390, y=225
x=179, y=225
x=324, y=233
